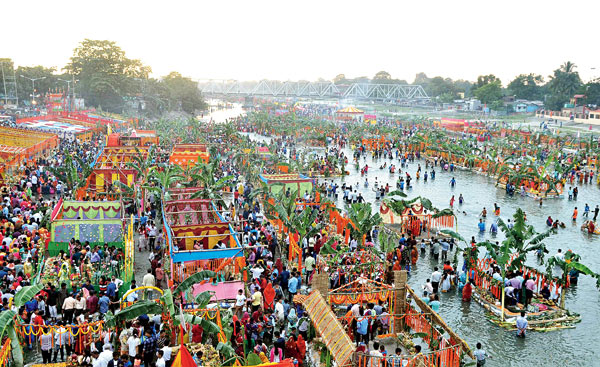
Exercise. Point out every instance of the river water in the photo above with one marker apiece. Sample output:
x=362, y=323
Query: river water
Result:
x=566, y=347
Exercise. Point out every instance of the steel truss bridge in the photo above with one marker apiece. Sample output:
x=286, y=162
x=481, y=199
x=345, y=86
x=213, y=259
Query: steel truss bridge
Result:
x=326, y=89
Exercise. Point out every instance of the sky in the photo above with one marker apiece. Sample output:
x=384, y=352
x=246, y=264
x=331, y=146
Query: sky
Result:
x=307, y=40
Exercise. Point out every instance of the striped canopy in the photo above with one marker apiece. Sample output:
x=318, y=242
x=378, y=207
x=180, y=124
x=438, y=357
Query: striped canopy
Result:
x=350, y=110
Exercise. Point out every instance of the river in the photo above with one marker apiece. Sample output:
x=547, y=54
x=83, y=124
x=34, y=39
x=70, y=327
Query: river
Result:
x=570, y=347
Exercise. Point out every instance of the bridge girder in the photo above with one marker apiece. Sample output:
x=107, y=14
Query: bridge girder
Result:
x=275, y=88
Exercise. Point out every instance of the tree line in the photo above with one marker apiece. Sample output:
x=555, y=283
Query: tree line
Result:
x=555, y=91
x=106, y=78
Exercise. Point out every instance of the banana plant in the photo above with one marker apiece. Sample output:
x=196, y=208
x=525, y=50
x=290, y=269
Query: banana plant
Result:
x=571, y=262
x=210, y=187
x=285, y=209
x=8, y=318
x=520, y=240
x=361, y=214
x=73, y=172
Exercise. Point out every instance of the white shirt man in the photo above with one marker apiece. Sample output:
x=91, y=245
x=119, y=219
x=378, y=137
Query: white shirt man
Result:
x=132, y=344
x=436, y=276
x=279, y=311
x=556, y=269
x=167, y=351
x=240, y=299
x=106, y=354
x=257, y=271
x=148, y=280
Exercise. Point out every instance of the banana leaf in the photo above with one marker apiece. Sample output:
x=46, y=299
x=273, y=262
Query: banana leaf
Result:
x=6, y=321
x=203, y=299
x=443, y=213
x=26, y=293
x=253, y=359
x=226, y=350
x=193, y=279
x=137, y=309
x=209, y=326
x=167, y=300
x=453, y=234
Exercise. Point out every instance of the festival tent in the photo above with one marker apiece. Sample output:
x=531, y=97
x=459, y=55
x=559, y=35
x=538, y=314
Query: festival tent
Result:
x=115, y=156
x=98, y=222
x=188, y=221
x=111, y=166
x=187, y=155
x=295, y=182
x=140, y=138
x=18, y=145
x=350, y=114
x=62, y=124
x=415, y=217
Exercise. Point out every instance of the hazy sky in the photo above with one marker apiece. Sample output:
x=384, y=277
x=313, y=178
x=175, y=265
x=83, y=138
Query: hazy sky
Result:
x=292, y=40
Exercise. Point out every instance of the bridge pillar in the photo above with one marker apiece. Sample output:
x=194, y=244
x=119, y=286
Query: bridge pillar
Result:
x=400, y=278
x=320, y=282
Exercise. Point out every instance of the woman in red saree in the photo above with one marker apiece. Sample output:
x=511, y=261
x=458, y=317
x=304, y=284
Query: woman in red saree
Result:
x=291, y=348
x=301, y=349
x=269, y=296
x=467, y=292
x=414, y=255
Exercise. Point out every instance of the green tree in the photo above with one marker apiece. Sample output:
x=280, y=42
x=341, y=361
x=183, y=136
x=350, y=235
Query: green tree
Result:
x=105, y=74
x=73, y=172
x=382, y=77
x=563, y=84
x=340, y=79
x=485, y=79
x=184, y=93
x=421, y=79
x=490, y=92
x=301, y=222
x=210, y=187
x=592, y=92
x=527, y=86
x=439, y=86
x=48, y=80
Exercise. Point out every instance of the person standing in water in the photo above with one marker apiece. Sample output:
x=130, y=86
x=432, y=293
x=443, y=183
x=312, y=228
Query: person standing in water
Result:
x=452, y=182
x=480, y=355
x=461, y=200
x=521, y=325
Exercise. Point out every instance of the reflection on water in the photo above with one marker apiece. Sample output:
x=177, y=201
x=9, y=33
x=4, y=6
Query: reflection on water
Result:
x=568, y=347
x=219, y=113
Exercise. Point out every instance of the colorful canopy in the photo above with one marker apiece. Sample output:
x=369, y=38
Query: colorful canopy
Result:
x=350, y=110
x=184, y=358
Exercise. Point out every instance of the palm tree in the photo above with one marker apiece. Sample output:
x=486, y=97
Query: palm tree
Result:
x=8, y=318
x=568, y=67
x=571, y=262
